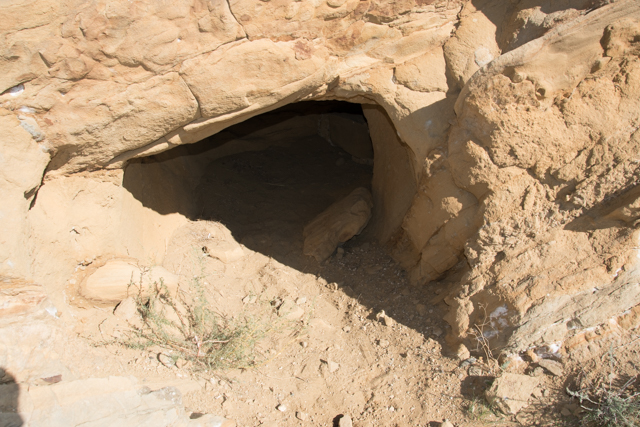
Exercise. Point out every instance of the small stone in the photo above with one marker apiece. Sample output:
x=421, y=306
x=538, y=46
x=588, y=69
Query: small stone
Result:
x=301, y=300
x=290, y=310
x=388, y=321
x=166, y=360
x=437, y=331
x=281, y=407
x=421, y=309
x=468, y=362
x=345, y=421
x=555, y=368
x=249, y=299
x=332, y=366
x=545, y=392
x=383, y=343
x=463, y=352
x=565, y=412
x=510, y=392
x=446, y=423
x=537, y=372
x=304, y=344
x=51, y=380
x=339, y=253
x=302, y=416
x=347, y=329
x=475, y=371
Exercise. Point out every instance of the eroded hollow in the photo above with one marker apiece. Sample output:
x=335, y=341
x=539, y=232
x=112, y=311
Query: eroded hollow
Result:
x=267, y=177
x=264, y=178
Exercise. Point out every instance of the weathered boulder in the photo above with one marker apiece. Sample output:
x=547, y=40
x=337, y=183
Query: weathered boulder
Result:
x=511, y=392
x=337, y=224
x=118, y=279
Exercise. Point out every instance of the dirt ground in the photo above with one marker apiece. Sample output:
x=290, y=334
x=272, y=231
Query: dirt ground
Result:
x=369, y=345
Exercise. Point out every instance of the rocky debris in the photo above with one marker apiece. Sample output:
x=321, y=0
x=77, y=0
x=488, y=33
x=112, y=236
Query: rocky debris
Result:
x=290, y=310
x=281, y=407
x=302, y=416
x=119, y=278
x=552, y=366
x=446, y=423
x=511, y=392
x=337, y=224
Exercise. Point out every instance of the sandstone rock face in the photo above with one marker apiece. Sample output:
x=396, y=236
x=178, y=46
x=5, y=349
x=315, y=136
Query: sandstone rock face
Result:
x=505, y=137
x=22, y=165
x=337, y=224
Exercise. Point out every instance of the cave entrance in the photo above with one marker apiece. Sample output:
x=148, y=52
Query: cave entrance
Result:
x=264, y=178
x=269, y=176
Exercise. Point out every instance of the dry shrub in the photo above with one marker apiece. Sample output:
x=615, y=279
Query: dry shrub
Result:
x=185, y=327
x=609, y=400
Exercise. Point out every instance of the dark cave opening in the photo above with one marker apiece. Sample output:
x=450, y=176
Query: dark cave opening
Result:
x=264, y=178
